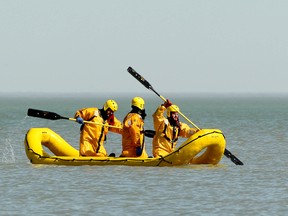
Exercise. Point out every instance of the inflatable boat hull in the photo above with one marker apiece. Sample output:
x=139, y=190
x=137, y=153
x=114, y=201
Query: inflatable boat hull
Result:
x=204, y=147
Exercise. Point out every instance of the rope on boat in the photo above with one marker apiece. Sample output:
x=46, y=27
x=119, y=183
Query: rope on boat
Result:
x=161, y=159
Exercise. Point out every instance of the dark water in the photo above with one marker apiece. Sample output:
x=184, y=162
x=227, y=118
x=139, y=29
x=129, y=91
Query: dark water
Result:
x=255, y=130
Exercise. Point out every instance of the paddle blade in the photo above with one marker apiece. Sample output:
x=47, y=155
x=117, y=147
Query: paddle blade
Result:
x=44, y=114
x=232, y=157
x=139, y=78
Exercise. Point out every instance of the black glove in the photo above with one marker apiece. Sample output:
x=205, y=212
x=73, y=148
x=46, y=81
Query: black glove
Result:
x=138, y=151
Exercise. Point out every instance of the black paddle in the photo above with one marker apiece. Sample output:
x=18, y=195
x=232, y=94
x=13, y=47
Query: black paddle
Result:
x=55, y=116
x=45, y=114
x=144, y=82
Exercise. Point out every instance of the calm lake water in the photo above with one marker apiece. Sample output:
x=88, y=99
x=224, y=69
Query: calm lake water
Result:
x=255, y=129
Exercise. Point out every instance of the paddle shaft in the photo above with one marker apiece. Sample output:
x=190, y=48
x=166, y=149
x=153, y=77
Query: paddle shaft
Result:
x=142, y=80
x=89, y=122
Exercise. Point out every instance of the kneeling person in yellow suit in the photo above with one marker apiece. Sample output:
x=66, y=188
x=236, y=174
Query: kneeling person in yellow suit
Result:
x=168, y=129
x=92, y=136
x=133, y=127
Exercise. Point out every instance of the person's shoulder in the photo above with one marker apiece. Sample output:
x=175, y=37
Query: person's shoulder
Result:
x=92, y=108
x=184, y=125
x=133, y=115
x=161, y=108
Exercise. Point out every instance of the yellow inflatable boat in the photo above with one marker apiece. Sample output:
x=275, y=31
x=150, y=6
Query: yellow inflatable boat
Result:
x=204, y=147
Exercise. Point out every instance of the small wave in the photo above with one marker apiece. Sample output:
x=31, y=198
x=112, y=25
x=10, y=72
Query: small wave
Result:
x=8, y=155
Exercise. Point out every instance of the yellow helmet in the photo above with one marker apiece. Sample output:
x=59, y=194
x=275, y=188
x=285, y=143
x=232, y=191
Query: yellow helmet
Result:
x=110, y=104
x=172, y=108
x=138, y=102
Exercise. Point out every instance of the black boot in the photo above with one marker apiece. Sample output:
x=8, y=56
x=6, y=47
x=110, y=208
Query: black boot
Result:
x=112, y=155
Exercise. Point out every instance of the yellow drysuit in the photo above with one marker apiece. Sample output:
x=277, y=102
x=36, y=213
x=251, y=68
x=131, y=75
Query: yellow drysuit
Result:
x=133, y=136
x=166, y=136
x=92, y=136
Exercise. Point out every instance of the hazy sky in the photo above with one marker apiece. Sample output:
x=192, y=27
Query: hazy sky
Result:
x=221, y=46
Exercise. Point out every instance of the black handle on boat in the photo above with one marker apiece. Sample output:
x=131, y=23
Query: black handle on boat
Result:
x=144, y=82
x=149, y=133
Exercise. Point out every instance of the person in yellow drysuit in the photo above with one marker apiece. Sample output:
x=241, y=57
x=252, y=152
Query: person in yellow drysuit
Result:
x=92, y=136
x=133, y=144
x=167, y=130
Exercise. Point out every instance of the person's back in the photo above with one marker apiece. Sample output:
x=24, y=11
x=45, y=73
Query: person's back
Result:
x=133, y=144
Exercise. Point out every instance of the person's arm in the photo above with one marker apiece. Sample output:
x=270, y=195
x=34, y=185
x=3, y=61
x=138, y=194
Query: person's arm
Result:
x=186, y=131
x=115, y=123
